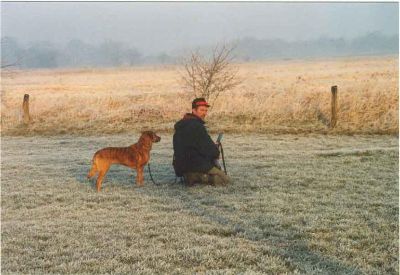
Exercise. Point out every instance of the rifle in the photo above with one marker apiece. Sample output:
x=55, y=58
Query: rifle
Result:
x=219, y=138
x=221, y=149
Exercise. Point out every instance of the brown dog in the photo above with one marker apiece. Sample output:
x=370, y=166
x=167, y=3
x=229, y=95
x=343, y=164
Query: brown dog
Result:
x=135, y=156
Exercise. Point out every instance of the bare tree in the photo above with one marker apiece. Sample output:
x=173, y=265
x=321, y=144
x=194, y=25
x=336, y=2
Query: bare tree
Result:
x=209, y=77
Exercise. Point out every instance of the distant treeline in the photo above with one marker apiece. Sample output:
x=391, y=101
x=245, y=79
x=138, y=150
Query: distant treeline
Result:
x=77, y=53
x=370, y=44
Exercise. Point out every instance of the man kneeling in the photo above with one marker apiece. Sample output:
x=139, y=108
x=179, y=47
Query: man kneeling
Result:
x=194, y=151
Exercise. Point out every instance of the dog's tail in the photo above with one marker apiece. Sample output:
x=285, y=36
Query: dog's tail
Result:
x=93, y=170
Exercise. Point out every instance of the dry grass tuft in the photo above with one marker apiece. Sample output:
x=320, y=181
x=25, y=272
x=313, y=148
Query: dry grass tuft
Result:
x=285, y=96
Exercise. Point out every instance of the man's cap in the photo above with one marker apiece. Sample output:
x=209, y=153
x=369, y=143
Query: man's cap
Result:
x=200, y=101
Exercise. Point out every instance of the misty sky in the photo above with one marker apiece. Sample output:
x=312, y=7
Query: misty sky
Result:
x=154, y=27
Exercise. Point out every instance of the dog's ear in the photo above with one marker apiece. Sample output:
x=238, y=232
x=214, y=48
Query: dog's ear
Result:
x=149, y=134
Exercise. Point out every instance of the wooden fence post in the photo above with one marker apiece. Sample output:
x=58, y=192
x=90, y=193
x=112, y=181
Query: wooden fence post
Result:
x=25, y=108
x=333, y=107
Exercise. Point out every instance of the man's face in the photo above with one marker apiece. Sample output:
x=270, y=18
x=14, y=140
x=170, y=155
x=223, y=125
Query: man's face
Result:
x=200, y=111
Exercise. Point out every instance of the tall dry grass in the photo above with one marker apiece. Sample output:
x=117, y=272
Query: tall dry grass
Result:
x=279, y=96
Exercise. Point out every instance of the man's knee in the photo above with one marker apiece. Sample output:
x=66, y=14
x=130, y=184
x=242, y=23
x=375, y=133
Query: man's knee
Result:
x=218, y=177
x=193, y=178
x=214, y=176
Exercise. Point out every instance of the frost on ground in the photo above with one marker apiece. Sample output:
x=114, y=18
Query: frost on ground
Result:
x=307, y=204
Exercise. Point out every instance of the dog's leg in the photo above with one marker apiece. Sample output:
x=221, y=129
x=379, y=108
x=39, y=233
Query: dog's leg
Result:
x=142, y=175
x=139, y=176
x=100, y=178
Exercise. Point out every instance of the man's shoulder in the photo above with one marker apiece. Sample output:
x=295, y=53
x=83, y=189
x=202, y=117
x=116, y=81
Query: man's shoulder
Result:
x=196, y=125
x=190, y=122
x=196, y=122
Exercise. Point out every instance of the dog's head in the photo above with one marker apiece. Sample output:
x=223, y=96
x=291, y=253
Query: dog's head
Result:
x=151, y=135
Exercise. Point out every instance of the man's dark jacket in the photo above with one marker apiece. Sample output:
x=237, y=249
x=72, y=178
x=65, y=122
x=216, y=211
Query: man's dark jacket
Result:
x=194, y=150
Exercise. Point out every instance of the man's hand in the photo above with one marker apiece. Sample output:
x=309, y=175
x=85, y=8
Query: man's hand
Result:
x=217, y=164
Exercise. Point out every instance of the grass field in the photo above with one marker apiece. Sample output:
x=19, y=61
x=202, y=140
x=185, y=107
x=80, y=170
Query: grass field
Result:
x=299, y=204
x=290, y=96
